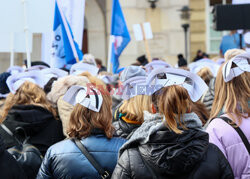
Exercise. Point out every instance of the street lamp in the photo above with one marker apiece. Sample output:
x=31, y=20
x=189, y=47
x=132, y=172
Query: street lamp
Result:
x=152, y=3
x=185, y=16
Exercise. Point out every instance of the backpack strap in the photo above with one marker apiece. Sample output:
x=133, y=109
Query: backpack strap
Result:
x=239, y=131
x=103, y=173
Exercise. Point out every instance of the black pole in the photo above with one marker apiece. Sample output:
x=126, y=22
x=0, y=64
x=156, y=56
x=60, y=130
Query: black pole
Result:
x=185, y=28
x=241, y=46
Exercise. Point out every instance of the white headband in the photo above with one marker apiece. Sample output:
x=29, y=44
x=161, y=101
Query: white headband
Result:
x=49, y=73
x=133, y=87
x=107, y=79
x=190, y=81
x=79, y=68
x=16, y=80
x=195, y=67
x=156, y=64
x=242, y=62
x=36, y=67
x=15, y=69
x=88, y=97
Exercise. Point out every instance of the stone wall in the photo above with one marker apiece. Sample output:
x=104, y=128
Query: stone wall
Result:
x=19, y=57
x=165, y=21
x=197, y=26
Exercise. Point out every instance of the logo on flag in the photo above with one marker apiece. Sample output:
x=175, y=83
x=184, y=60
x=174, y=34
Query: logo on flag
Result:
x=64, y=49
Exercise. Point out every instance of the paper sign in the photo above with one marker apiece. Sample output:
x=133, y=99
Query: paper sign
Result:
x=138, y=31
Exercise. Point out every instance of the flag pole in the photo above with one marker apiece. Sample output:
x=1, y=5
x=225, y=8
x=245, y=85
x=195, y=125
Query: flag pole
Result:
x=146, y=44
x=26, y=31
x=109, y=54
x=12, y=50
x=68, y=33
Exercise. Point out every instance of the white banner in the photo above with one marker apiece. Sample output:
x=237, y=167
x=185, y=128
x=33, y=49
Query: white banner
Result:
x=74, y=11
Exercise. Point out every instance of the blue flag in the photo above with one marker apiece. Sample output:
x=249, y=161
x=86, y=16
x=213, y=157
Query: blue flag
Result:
x=65, y=49
x=119, y=34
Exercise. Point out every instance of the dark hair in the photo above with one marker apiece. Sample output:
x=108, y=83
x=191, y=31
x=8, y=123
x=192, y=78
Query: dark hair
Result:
x=37, y=63
x=98, y=61
x=180, y=56
x=205, y=55
x=142, y=60
x=48, y=86
x=181, y=61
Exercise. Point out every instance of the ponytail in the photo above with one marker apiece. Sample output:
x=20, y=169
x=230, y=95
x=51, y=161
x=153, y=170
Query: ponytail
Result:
x=173, y=102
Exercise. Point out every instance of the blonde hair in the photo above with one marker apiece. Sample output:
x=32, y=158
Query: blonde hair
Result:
x=83, y=120
x=28, y=93
x=206, y=74
x=173, y=102
x=133, y=108
x=233, y=96
x=232, y=53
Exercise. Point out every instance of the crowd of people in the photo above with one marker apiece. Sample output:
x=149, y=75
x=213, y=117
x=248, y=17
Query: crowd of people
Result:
x=151, y=120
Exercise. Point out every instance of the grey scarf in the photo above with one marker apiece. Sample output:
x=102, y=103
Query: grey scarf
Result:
x=152, y=123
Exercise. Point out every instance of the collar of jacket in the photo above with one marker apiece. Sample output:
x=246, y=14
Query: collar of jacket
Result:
x=152, y=123
x=97, y=131
x=2, y=146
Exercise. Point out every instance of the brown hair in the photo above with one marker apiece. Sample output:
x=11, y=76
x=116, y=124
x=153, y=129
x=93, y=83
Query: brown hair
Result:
x=134, y=107
x=98, y=61
x=96, y=82
x=28, y=93
x=173, y=102
x=205, y=74
x=83, y=120
x=202, y=112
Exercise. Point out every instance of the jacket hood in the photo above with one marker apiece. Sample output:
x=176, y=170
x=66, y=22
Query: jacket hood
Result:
x=30, y=117
x=173, y=154
x=166, y=151
x=60, y=87
x=2, y=146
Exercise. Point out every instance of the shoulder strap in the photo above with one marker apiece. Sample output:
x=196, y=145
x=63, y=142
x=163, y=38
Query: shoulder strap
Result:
x=239, y=131
x=6, y=129
x=104, y=174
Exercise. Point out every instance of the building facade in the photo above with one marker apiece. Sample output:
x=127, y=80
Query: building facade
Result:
x=168, y=40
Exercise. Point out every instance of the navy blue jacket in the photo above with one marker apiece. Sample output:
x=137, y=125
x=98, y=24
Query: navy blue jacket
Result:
x=65, y=160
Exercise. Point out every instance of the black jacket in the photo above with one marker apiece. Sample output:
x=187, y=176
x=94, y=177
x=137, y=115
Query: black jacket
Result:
x=169, y=155
x=122, y=128
x=38, y=123
x=9, y=168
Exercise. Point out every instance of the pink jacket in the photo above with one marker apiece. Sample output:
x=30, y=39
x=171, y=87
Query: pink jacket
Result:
x=230, y=143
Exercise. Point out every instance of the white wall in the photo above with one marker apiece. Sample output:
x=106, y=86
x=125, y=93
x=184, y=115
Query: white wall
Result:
x=96, y=30
x=166, y=25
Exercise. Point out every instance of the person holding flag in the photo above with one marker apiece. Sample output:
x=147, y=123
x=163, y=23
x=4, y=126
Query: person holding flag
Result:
x=65, y=49
x=119, y=37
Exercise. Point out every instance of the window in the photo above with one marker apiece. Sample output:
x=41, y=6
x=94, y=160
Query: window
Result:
x=213, y=37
